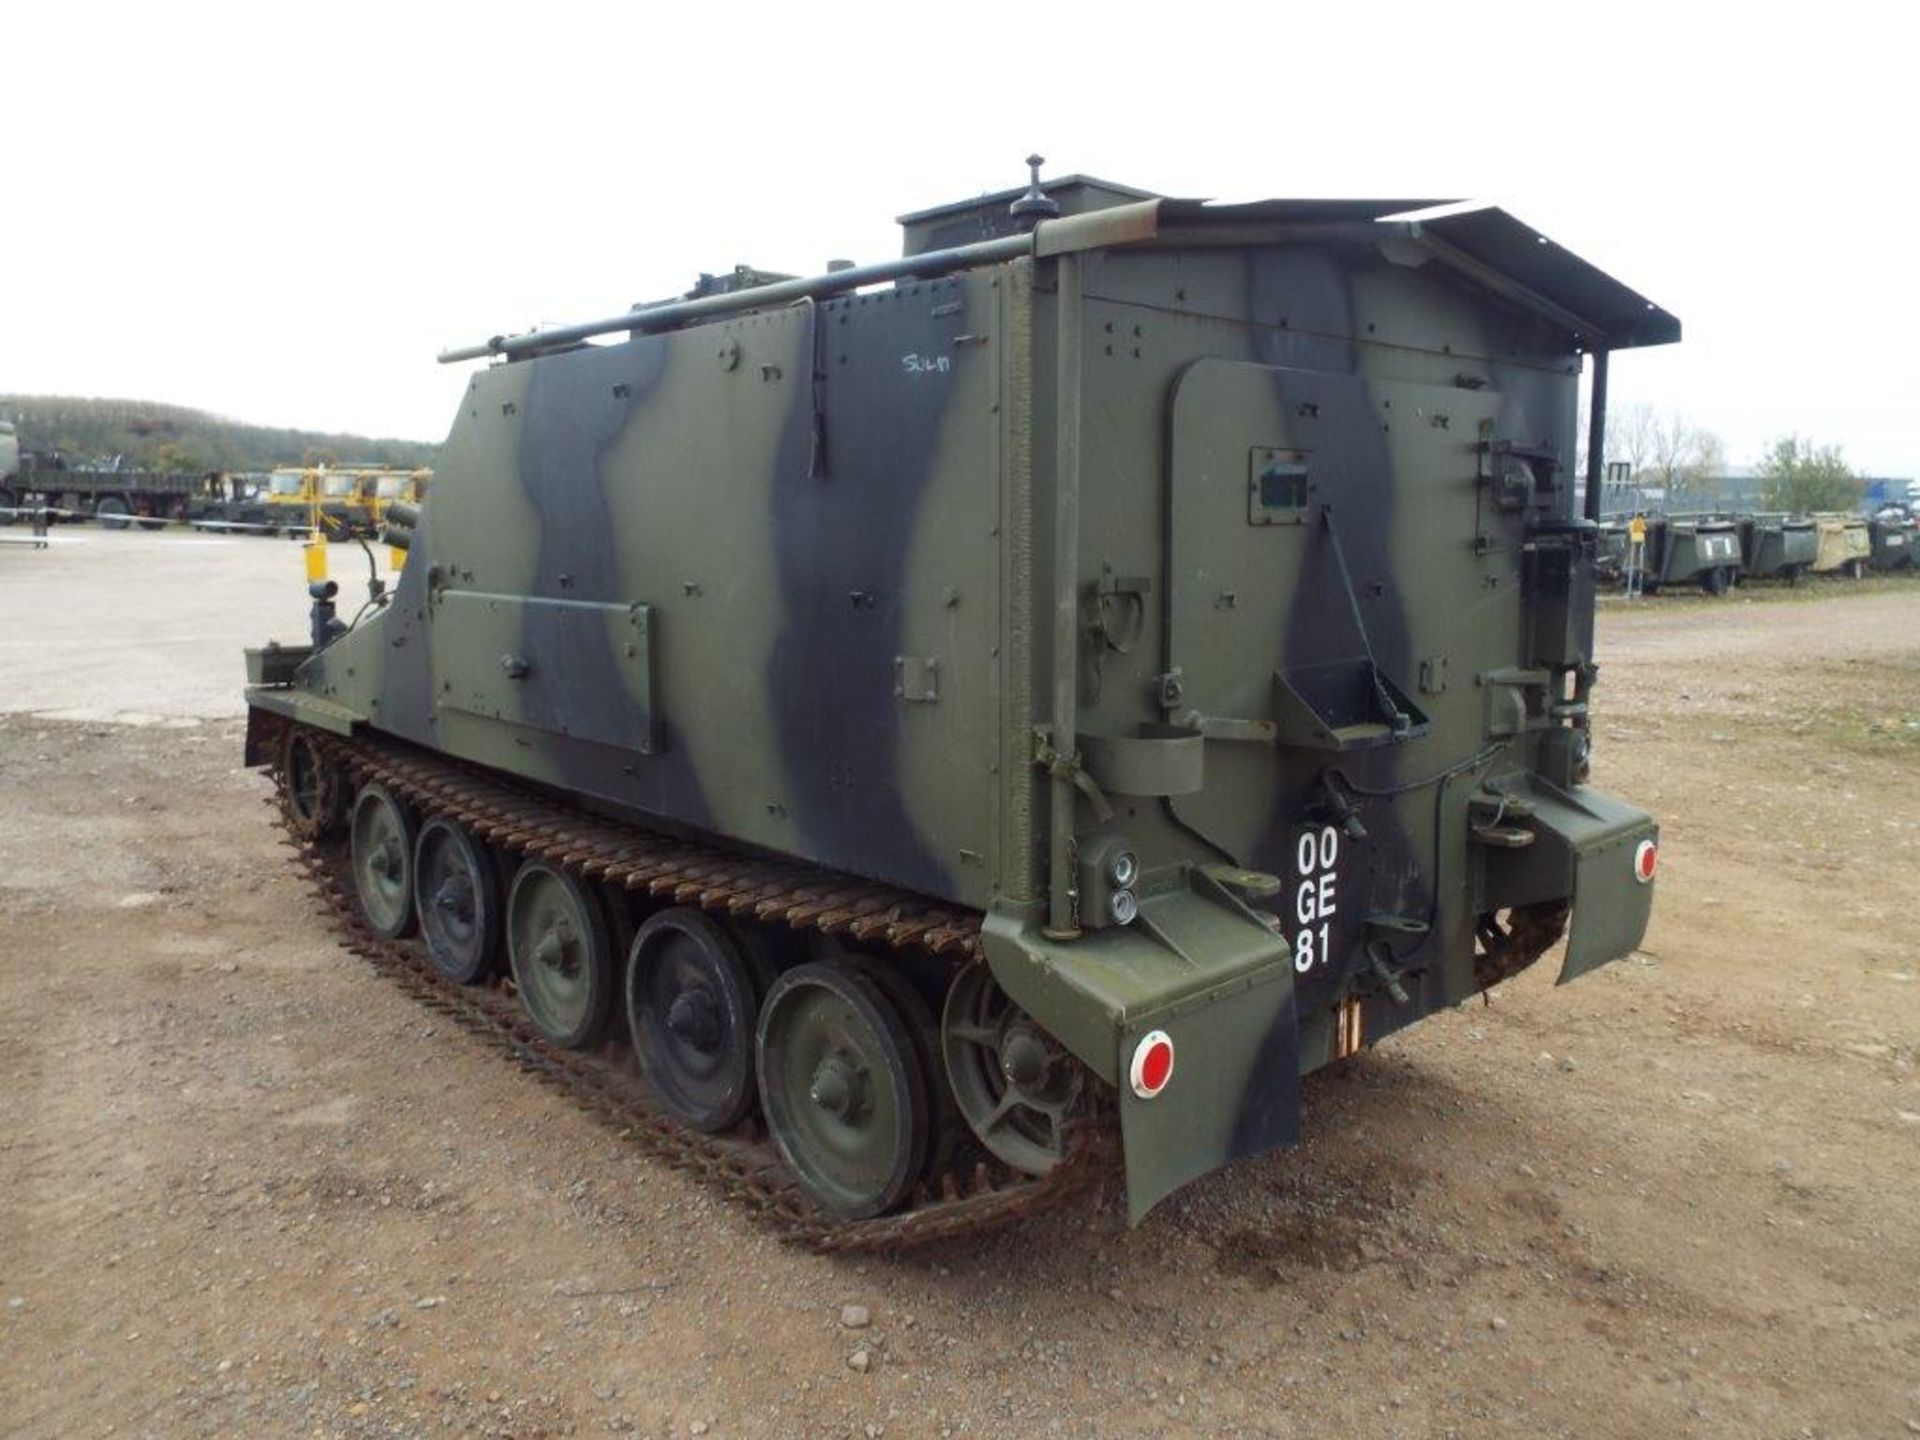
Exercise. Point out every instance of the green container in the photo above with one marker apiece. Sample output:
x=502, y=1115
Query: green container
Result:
x=1893, y=536
x=1777, y=547
x=1693, y=550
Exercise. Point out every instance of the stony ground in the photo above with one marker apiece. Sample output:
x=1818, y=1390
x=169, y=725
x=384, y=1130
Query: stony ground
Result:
x=246, y=1188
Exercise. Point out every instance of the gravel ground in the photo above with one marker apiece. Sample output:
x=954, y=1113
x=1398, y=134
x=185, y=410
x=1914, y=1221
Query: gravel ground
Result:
x=249, y=1188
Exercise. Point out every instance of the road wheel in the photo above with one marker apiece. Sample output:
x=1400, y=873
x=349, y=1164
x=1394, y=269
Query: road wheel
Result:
x=841, y=1084
x=692, y=1005
x=311, y=787
x=456, y=892
x=382, y=835
x=561, y=954
x=112, y=513
x=1013, y=1081
x=947, y=1129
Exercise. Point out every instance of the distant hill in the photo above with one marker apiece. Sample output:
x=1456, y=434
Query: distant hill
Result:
x=171, y=437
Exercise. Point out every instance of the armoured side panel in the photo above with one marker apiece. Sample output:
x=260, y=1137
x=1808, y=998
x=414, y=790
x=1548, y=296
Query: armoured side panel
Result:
x=743, y=577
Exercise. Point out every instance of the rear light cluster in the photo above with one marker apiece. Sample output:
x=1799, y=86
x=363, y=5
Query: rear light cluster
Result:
x=1109, y=876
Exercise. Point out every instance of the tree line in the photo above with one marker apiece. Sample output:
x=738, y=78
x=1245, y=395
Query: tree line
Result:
x=1665, y=451
x=142, y=435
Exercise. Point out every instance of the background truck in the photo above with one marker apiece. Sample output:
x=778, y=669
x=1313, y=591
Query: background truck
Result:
x=115, y=496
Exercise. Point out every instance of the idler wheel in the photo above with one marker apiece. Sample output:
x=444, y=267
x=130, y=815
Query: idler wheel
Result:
x=1013, y=1081
x=310, y=787
x=842, y=1087
x=692, y=1002
x=457, y=895
x=561, y=954
x=382, y=835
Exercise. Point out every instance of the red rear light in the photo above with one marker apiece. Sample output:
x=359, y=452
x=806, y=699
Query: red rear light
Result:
x=1646, y=859
x=1152, y=1064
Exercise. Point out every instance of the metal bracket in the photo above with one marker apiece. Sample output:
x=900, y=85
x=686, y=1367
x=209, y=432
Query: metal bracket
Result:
x=1516, y=700
x=1069, y=768
x=916, y=679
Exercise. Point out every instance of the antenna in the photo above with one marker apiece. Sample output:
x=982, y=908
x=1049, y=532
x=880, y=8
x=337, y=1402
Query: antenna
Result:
x=1034, y=206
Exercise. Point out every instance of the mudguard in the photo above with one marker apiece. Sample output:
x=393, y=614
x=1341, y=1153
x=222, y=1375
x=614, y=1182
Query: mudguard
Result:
x=1210, y=974
x=1585, y=847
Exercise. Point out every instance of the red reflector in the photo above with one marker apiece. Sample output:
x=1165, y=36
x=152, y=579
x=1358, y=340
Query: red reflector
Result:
x=1152, y=1064
x=1646, y=860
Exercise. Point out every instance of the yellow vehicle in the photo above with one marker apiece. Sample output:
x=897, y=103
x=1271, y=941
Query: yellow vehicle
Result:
x=345, y=502
x=380, y=488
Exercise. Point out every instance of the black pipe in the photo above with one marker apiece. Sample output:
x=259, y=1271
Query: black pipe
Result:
x=323, y=623
x=1597, y=435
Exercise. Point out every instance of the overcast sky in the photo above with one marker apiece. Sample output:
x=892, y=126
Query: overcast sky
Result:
x=281, y=214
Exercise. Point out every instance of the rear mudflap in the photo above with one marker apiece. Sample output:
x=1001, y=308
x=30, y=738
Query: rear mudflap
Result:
x=1211, y=976
x=1586, y=848
x=1234, y=1090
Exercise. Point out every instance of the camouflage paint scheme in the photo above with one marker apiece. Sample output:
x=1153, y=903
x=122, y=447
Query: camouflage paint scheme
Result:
x=786, y=577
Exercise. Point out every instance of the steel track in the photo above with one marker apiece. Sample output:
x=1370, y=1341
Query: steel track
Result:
x=744, y=1166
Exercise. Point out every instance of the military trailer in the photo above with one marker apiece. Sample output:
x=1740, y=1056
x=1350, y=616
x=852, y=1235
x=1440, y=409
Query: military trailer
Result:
x=1701, y=550
x=1893, y=535
x=1845, y=545
x=1777, y=547
x=960, y=717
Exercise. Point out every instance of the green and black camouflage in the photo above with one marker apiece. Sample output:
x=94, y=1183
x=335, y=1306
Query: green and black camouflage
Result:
x=791, y=574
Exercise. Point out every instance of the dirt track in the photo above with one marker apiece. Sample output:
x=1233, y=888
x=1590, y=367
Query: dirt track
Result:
x=247, y=1188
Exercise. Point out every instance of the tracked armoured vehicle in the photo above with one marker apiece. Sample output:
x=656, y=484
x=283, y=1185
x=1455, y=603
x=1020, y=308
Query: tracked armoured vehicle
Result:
x=965, y=718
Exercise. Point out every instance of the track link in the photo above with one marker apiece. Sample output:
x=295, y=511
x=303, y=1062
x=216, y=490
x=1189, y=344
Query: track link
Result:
x=745, y=1166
